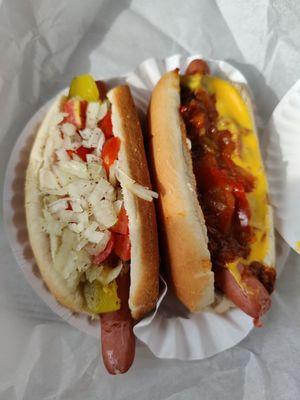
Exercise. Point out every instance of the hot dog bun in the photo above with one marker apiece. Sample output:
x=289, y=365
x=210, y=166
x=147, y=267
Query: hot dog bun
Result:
x=183, y=225
x=182, y=220
x=141, y=214
x=142, y=223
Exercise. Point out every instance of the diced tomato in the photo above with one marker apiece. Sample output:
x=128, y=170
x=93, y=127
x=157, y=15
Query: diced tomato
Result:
x=81, y=152
x=83, y=108
x=122, y=247
x=99, y=258
x=106, y=125
x=70, y=153
x=76, y=112
x=110, y=152
x=122, y=224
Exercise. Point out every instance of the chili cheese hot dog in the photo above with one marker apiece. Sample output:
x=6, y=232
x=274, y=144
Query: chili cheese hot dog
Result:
x=90, y=214
x=214, y=210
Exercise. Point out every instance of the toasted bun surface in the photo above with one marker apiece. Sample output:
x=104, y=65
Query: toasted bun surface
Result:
x=184, y=229
x=141, y=214
x=142, y=222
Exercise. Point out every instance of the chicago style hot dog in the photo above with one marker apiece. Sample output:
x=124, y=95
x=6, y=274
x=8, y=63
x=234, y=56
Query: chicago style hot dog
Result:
x=214, y=210
x=90, y=214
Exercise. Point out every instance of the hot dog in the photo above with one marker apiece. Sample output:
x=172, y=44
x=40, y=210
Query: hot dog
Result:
x=213, y=194
x=90, y=214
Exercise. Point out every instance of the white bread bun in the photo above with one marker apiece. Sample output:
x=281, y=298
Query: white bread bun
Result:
x=141, y=214
x=183, y=225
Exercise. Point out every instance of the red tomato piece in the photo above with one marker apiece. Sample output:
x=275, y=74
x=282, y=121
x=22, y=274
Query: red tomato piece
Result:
x=76, y=110
x=122, y=247
x=106, y=125
x=122, y=224
x=70, y=153
x=102, y=256
x=110, y=152
x=83, y=151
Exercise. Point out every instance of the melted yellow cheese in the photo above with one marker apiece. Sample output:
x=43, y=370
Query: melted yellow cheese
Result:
x=235, y=116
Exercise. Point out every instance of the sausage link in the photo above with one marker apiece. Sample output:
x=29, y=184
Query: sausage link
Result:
x=117, y=337
x=197, y=66
x=251, y=296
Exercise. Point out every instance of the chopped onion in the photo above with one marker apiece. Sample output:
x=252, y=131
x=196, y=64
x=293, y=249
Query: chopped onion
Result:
x=86, y=133
x=117, y=206
x=75, y=204
x=95, y=140
x=80, y=188
x=94, y=249
x=62, y=155
x=108, y=274
x=83, y=261
x=93, y=273
x=65, y=258
x=92, y=235
x=69, y=144
x=58, y=118
x=48, y=179
x=51, y=225
x=92, y=114
x=68, y=129
x=96, y=170
x=188, y=143
x=103, y=109
x=134, y=187
x=58, y=205
x=81, y=244
x=112, y=174
x=103, y=189
x=100, y=142
x=104, y=213
x=53, y=245
x=63, y=178
x=92, y=158
x=75, y=168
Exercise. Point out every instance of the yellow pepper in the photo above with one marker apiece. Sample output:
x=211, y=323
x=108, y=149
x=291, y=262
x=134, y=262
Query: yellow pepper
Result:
x=85, y=87
x=101, y=299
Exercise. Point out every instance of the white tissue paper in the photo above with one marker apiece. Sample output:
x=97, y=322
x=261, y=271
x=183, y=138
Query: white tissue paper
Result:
x=43, y=44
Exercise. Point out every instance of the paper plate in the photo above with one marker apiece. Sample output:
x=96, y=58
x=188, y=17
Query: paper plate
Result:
x=169, y=332
x=282, y=155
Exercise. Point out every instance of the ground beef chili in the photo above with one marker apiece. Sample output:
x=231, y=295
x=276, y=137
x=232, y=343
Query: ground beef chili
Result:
x=221, y=185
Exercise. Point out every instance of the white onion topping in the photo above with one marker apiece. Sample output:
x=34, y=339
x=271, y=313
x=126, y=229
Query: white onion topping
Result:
x=80, y=202
x=134, y=187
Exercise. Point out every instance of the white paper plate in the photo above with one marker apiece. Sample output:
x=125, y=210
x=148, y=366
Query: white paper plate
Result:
x=169, y=332
x=282, y=155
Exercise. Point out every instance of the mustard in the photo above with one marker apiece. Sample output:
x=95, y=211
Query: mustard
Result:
x=235, y=116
